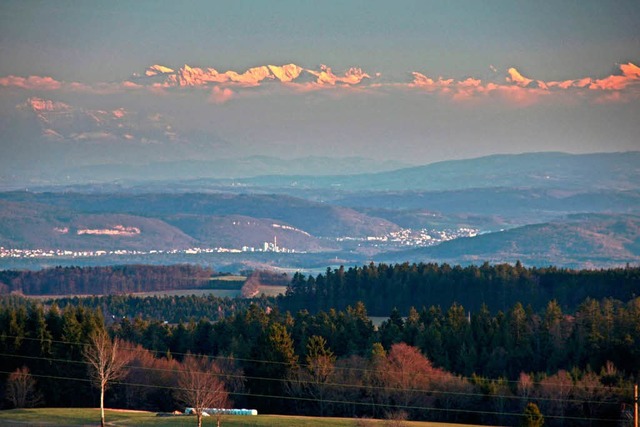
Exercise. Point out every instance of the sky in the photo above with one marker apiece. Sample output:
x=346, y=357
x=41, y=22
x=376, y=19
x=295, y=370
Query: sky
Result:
x=412, y=81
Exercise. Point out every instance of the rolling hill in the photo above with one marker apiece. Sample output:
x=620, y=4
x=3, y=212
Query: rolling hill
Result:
x=556, y=208
x=585, y=241
x=617, y=171
x=318, y=219
x=31, y=225
x=230, y=230
x=178, y=221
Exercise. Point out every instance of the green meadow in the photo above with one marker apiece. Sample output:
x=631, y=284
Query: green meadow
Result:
x=91, y=417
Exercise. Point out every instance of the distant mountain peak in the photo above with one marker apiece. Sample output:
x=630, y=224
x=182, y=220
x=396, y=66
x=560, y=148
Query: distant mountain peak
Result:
x=286, y=73
x=157, y=69
x=40, y=105
x=189, y=76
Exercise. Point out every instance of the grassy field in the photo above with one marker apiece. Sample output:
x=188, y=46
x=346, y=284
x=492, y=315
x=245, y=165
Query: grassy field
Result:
x=219, y=286
x=91, y=417
x=231, y=293
x=272, y=291
x=229, y=278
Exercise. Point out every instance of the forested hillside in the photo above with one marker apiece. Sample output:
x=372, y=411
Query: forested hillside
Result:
x=437, y=364
x=104, y=280
x=460, y=344
x=383, y=287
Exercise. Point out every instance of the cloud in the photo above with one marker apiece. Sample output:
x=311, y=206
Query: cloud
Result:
x=326, y=76
x=421, y=81
x=520, y=90
x=220, y=95
x=94, y=136
x=119, y=113
x=62, y=122
x=629, y=74
x=130, y=85
x=45, y=83
x=31, y=82
x=102, y=88
x=39, y=105
x=512, y=86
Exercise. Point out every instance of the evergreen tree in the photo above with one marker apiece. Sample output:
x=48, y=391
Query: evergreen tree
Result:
x=532, y=416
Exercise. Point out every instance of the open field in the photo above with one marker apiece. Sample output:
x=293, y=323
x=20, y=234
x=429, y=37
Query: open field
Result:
x=91, y=417
x=272, y=291
x=229, y=278
x=231, y=293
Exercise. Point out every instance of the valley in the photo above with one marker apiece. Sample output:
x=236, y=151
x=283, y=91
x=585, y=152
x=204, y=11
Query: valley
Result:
x=557, y=211
x=350, y=213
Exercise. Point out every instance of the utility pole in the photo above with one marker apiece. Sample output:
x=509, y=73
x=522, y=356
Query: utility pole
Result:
x=635, y=405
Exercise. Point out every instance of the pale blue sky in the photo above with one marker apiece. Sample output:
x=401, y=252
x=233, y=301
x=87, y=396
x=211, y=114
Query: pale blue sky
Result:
x=97, y=40
x=97, y=43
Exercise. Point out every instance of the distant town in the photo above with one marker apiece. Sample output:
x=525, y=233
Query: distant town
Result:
x=418, y=238
x=398, y=239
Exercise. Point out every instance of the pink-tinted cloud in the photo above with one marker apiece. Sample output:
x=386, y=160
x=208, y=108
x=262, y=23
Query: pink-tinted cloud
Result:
x=629, y=75
x=102, y=88
x=517, y=95
x=326, y=76
x=45, y=83
x=119, y=113
x=39, y=105
x=130, y=85
x=220, y=95
x=514, y=87
x=520, y=90
x=426, y=83
x=31, y=82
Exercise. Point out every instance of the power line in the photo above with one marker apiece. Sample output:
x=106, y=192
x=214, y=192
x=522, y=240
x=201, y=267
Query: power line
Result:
x=472, y=380
x=329, y=384
x=341, y=402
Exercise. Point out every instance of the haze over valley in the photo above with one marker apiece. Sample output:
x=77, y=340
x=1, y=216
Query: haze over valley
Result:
x=540, y=208
x=342, y=213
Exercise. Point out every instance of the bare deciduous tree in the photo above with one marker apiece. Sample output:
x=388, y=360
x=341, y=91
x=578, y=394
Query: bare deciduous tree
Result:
x=107, y=362
x=21, y=389
x=201, y=386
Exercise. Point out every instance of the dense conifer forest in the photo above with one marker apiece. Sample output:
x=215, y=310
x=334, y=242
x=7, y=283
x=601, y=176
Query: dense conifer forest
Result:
x=384, y=287
x=435, y=364
x=315, y=351
x=104, y=280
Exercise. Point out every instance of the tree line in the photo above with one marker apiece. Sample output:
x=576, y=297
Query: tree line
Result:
x=104, y=280
x=169, y=308
x=384, y=287
x=381, y=287
x=434, y=364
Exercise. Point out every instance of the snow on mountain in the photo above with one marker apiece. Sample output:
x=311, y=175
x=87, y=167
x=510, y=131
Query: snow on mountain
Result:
x=63, y=122
x=157, y=69
x=39, y=105
x=288, y=73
